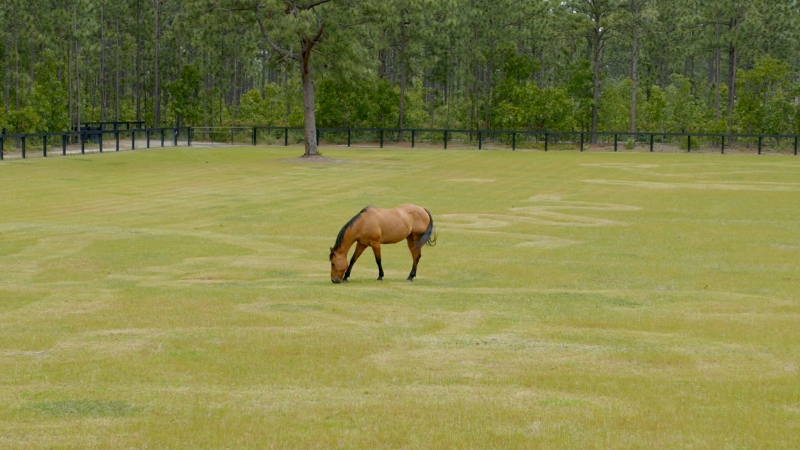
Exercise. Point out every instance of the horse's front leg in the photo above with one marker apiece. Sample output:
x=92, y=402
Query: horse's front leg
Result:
x=376, y=248
x=359, y=250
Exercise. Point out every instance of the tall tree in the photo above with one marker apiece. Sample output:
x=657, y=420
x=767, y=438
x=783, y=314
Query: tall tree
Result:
x=156, y=71
x=293, y=31
x=636, y=22
x=7, y=25
x=597, y=16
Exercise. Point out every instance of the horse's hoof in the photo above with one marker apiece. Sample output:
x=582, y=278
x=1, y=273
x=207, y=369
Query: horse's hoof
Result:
x=409, y=280
x=379, y=279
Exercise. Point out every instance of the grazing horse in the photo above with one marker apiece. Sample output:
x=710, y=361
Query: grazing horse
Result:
x=375, y=226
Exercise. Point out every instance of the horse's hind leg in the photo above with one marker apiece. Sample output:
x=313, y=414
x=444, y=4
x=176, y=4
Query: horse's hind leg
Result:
x=376, y=248
x=416, y=254
x=359, y=250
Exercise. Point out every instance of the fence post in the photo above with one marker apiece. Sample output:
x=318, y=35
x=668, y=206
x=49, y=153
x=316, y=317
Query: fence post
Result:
x=174, y=137
x=101, y=139
x=689, y=143
x=147, y=137
x=285, y=136
x=723, y=144
x=652, y=138
x=615, y=142
x=381, y=137
x=63, y=145
x=480, y=140
x=412, y=138
x=133, y=140
x=44, y=146
x=513, y=142
x=546, y=141
x=317, y=136
x=254, y=136
x=116, y=136
x=759, y=145
x=795, y=146
x=23, y=147
x=189, y=137
x=581, y=140
x=348, y=137
x=445, y=140
x=1, y=148
x=162, y=136
x=83, y=142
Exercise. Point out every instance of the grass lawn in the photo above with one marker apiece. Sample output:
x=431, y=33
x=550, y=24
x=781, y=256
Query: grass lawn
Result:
x=181, y=298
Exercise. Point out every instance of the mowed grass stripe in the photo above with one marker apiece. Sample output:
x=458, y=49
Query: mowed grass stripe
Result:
x=181, y=298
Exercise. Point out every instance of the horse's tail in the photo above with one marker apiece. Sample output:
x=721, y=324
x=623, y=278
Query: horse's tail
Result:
x=430, y=235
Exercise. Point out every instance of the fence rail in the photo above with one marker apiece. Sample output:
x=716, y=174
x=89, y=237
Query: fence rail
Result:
x=545, y=140
x=91, y=141
x=75, y=142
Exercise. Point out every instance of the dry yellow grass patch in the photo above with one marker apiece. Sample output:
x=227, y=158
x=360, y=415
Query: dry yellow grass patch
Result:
x=181, y=299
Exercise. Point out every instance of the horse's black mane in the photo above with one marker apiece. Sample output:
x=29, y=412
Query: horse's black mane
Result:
x=349, y=224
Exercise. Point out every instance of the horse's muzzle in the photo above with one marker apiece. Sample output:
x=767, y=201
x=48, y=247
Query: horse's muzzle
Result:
x=336, y=280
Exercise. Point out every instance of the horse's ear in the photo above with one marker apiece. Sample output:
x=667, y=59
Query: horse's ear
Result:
x=331, y=249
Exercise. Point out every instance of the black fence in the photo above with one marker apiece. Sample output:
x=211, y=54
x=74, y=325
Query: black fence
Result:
x=537, y=140
x=100, y=140
x=90, y=141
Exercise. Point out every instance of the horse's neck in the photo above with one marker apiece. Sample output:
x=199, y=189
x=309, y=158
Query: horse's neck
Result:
x=347, y=242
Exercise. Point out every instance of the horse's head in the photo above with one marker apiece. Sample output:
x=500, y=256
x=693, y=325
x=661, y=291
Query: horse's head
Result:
x=338, y=266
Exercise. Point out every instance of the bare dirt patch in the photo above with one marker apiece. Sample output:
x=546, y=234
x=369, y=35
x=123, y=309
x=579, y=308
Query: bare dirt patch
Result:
x=316, y=159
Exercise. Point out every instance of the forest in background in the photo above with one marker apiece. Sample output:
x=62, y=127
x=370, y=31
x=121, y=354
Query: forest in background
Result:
x=608, y=65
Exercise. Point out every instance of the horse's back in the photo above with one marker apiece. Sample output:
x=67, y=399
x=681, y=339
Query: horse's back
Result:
x=419, y=216
x=398, y=223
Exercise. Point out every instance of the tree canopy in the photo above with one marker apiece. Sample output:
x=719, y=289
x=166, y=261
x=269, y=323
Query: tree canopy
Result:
x=604, y=65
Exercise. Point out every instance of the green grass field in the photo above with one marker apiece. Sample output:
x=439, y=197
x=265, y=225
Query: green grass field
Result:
x=181, y=298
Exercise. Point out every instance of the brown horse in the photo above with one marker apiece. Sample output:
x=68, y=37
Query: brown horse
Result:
x=375, y=226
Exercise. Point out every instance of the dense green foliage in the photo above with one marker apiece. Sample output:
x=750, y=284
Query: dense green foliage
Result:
x=731, y=65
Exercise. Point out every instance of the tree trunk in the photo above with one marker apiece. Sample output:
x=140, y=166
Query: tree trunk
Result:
x=381, y=63
x=733, y=55
x=102, y=79
x=717, y=76
x=474, y=97
x=309, y=113
x=6, y=60
x=69, y=86
x=16, y=60
x=402, y=58
x=432, y=103
x=489, y=94
x=635, y=66
x=138, y=61
x=233, y=91
x=732, y=63
x=263, y=75
x=157, y=87
x=77, y=69
x=116, y=82
x=206, y=89
x=31, y=54
x=447, y=93
x=595, y=76
x=710, y=80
